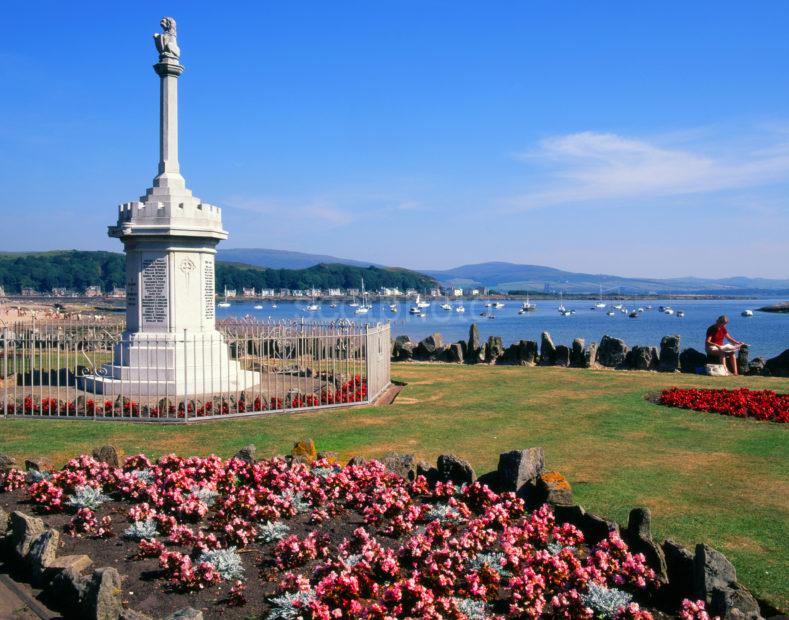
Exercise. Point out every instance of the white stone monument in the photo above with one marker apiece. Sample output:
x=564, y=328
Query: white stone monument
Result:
x=171, y=345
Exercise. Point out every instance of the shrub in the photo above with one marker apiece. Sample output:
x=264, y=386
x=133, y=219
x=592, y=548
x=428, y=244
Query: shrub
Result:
x=87, y=497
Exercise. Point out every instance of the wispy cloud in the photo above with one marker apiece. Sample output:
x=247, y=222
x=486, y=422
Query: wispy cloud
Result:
x=591, y=166
x=316, y=211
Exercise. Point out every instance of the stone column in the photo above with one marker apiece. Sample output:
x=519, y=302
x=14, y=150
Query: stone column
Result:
x=169, y=169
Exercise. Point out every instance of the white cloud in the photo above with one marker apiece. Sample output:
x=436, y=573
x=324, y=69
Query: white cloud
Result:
x=592, y=166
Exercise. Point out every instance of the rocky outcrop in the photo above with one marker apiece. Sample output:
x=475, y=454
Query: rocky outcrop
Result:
x=455, y=353
x=562, y=356
x=638, y=536
x=612, y=352
x=453, y=469
x=519, y=467
x=577, y=354
x=474, y=345
x=547, y=350
x=641, y=358
x=669, y=354
x=778, y=366
x=402, y=349
x=107, y=454
x=246, y=454
x=429, y=347
x=494, y=349
x=692, y=361
x=715, y=582
x=404, y=465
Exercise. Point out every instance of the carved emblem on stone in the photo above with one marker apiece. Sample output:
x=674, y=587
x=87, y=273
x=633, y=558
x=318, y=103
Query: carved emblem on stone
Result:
x=166, y=42
x=187, y=266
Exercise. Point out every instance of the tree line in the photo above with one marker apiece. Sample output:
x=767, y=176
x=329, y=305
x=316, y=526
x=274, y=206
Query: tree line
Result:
x=76, y=270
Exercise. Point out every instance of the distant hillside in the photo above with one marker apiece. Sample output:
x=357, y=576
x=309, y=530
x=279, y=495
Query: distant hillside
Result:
x=511, y=276
x=283, y=259
x=76, y=270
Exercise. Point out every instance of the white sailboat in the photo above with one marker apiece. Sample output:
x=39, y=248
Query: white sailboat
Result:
x=420, y=303
x=365, y=307
x=460, y=308
x=746, y=313
x=226, y=303
x=446, y=305
x=527, y=306
x=600, y=304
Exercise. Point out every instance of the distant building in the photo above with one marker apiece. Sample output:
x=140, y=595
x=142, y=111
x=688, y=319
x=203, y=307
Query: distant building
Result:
x=59, y=292
x=93, y=291
x=411, y=292
x=2, y=292
x=230, y=293
x=334, y=292
x=353, y=291
x=267, y=292
x=475, y=291
x=118, y=293
x=28, y=292
x=248, y=292
x=284, y=292
x=457, y=292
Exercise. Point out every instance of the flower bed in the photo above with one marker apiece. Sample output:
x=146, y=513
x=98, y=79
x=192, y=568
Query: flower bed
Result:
x=278, y=540
x=740, y=403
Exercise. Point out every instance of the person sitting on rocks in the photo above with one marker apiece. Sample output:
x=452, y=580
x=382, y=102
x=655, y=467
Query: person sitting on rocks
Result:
x=715, y=344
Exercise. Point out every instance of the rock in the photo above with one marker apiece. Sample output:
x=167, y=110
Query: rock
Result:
x=518, y=467
x=357, y=461
x=187, y=613
x=562, y=356
x=692, y=361
x=527, y=352
x=778, y=366
x=669, y=354
x=404, y=465
x=612, y=352
x=329, y=455
x=4, y=519
x=474, y=345
x=107, y=454
x=454, y=469
x=74, y=563
x=711, y=570
x=679, y=570
x=403, y=348
x=596, y=528
x=67, y=589
x=638, y=536
x=742, y=359
x=130, y=614
x=430, y=346
x=590, y=357
x=492, y=480
x=37, y=465
x=304, y=449
x=423, y=468
x=510, y=355
x=547, y=350
x=247, y=454
x=640, y=358
x=577, y=354
x=494, y=349
x=733, y=602
x=24, y=530
x=42, y=553
x=553, y=488
x=6, y=462
x=101, y=599
x=455, y=353
x=756, y=367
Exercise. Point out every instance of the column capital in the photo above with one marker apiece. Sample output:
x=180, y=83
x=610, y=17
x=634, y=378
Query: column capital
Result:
x=165, y=69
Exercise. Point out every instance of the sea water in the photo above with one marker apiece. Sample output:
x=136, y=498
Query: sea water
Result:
x=766, y=333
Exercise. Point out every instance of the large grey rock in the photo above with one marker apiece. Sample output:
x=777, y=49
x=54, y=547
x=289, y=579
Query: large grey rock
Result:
x=101, y=599
x=455, y=353
x=106, y=454
x=743, y=359
x=692, y=361
x=778, y=366
x=669, y=354
x=23, y=530
x=357, y=461
x=711, y=570
x=4, y=519
x=403, y=349
x=494, y=349
x=247, y=454
x=638, y=536
x=68, y=588
x=577, y=354
x=612, y=352
x=75, y=563
x=726, y=602
x=518, y=467
x=640, y=358
x=42, y=553
x=423, y=468
x=474, y=345
x=527, y=352
x=452, y=468
x=679, y=569
x=756, y=367
x=404, y=465
x=430, y=346
x=590, y=356
x=562, y=356
x=553, y=488
x=547, y=350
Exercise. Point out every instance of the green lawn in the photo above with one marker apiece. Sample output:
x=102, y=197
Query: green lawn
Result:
x=707, y=478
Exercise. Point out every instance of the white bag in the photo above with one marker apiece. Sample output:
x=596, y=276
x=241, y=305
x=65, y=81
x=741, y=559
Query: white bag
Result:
x=717, y=370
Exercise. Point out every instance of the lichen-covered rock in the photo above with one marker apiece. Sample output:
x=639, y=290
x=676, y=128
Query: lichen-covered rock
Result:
x=107, y=454
x=24, y=529
x=590, y=356
x=494, y=349
x=6, y=462
x=518, y=467
x=404, y=465
x=640, y=358
x=553, y=488
x=42, y=553
x=403, y=349
x=454, y=469
x=101, y=599
x=304, y=450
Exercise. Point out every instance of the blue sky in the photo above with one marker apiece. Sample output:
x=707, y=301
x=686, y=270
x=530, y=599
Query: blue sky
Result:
x=635, y=138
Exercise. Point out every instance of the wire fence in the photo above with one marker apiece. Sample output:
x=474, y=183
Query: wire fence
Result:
x=95, y=370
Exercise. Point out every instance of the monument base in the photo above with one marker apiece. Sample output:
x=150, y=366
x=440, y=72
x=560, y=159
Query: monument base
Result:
x=170, y=365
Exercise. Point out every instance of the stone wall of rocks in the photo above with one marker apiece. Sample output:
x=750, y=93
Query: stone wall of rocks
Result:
x=608, y=353
x=702, y=573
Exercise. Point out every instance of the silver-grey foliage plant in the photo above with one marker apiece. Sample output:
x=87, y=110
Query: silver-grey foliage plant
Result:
x=140, y=530
x=87, y=497
x=272, y=531
x=605, y=602
x=290, y=605
x=227, y=562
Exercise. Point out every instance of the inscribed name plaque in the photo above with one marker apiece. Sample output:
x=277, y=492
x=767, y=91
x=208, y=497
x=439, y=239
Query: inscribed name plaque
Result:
x=154, y=301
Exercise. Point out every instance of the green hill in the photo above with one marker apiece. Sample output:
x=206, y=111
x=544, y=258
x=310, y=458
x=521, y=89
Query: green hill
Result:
x=77, y=270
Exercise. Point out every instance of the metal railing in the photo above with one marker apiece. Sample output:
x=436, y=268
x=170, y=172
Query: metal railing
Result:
x=97, y=371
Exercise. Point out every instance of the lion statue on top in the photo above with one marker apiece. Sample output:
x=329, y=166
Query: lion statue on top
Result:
x=166, y=42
